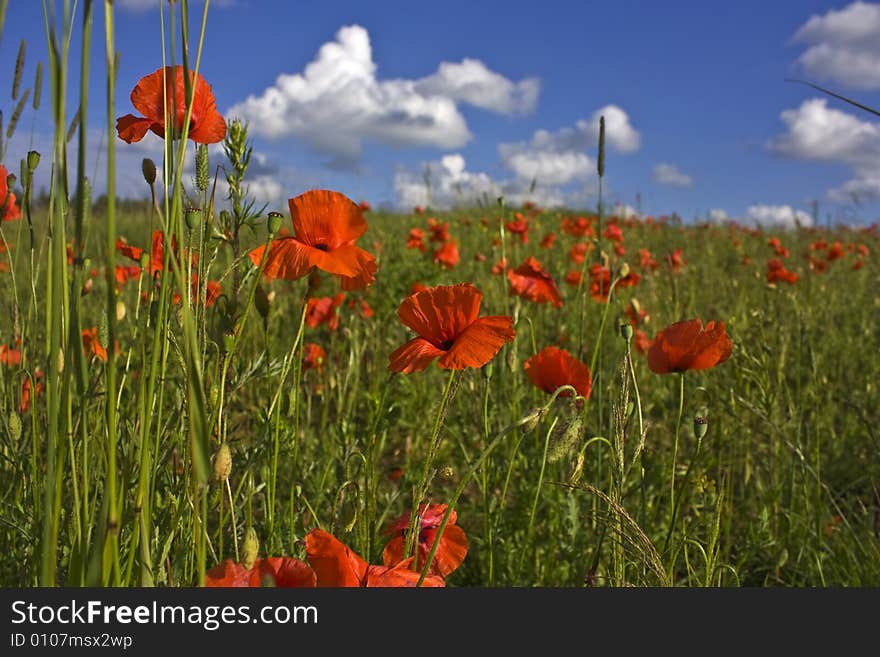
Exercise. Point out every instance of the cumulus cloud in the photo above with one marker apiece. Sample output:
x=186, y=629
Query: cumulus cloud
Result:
x=843, y=45
x=777, y=216
x=447, y=183
x=717, y=215
x=337, y=102
x=558, y=158
x=668, y=174
x=819, y=133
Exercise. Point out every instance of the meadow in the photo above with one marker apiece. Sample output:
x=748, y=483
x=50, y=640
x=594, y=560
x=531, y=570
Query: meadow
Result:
x=202, y=390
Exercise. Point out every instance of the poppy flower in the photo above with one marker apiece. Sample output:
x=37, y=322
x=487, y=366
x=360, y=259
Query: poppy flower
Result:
x=519, y=227
x=414, y=240
x=858, y=264
x=675, y=260
x=447, y=255
x=578, y=252
x=499, y=266
x=619, y=250
x=818, y=265
x=365, y=206
x=326, y=225
x=25, y=404
x=91, y=345
x=531, y=282
x=125, y=273
x=637, y=315
x=9, y=356
x=206, y=125
x=548, y=240
x=641, y=341
x=323, y=311
x=579, y=227
x=439, y=232
x=336, y=564
x=314, y=357
x=553, y=367
x=776, y=272
x=613, y=233
x=835, y=251
x=271, y=571
x=573, y=278
x=447, y=323
x=646, y=260
x=687, y=346
x=600, y=284
x=451, y=550
x=8, y=209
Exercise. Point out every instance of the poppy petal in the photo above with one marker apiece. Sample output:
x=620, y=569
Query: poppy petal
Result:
x=210, y=129
x=288, y=258
x=712, y=347
x=228, y=574
x=334, y=563
x=450, y=552
x=479, y=343
x=148, y=97
x=132, y=128
x=283, y=571
x=399, y=575
x=415, y=356
x=349, y=261
x=322, y=217
x=441, y=313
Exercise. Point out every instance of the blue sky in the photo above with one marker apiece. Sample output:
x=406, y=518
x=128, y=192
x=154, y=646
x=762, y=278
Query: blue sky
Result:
x=503, y=99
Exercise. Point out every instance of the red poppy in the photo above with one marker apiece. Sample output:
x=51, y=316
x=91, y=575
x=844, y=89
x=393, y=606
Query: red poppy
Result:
x=8, y=209
x=499, y=266
x=206, y=125
x=336, y=564
x=314, y=357
x=578, y=252
x=365, y=206
x=858, y=264
x=613, y=233
x=646, y=260
x=637, y=315
x=447, y=255
x=323, y=310
x=271, y=571
x=439, y=232
x=553, y=367
x=641, y=341
x=619, y=250
x=9, y=356
x=687, y=346
x=366, y=310
x=863, y=250
x=126, y=273
x=91, y=345
x=519, y=227
x=451, y=550
x=818, y=265
x=531, y=282
x=774, y=243
x=600, y=284
x=580, y=227
x=675, y=260
x=835, y=251
x=419, y=209
x=548, y=240
x=818, y=245
x=776, y=272
x=630, y=280
x=447, y=323
x=25, y=404
x=326, y=225
x=414, y=241
x=573, y=278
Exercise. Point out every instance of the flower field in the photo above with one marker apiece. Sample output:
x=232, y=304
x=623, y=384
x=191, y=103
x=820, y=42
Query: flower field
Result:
x=199, y=390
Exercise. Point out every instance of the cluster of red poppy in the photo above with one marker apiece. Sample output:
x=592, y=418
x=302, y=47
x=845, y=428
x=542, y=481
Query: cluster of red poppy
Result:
x=331, y=563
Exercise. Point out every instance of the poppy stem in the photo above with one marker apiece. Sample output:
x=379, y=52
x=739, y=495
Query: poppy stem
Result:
x=421, y=490
x=672, y=507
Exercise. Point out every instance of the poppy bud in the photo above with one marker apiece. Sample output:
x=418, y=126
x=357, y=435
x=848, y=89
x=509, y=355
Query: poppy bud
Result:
x=564, y=438
x=446, y=473
x=120, y=311
x=33, y=160
x=250, y=549
x=10, y=181
x=23, y=172
x=274, y=222
x=228, y=341
x=13, y=422
x=600, y=163
x=59, y=360
x=530, y=420
x=202, y=172
x=154, y=312
x=624, y=270
x=144, y=260
x=261, y=301
x=148, y=168
x=192, y=216
x=222, y=463
x=701, y=426
x=488, y=369
x=626, y=330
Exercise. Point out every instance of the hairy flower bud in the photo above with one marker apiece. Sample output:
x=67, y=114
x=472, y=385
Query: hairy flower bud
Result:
x=250, y=549
x=222, y=463
x=148, y=168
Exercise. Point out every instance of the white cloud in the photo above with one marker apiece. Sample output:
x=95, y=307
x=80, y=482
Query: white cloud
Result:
x=717, y=215
x=668, y=174
x=777, y=216
x=818, y=133
x=337, y=102
x=845, y=45
x=450, y=184
x=558, y=158
x=471, y=82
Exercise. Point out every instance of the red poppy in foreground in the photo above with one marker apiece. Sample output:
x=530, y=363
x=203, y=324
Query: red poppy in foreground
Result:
x=8, y=209
x=451, y=550
x=447, y=323
x=326, y=225
x=531, y=282
x=553, y=367
x=206, y=125
x=687, y=346
x=336, y=564
x=271, y=571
